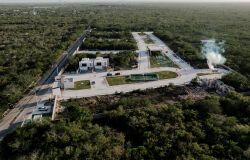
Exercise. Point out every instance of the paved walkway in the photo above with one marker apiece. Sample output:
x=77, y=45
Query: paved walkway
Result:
x=143, y=56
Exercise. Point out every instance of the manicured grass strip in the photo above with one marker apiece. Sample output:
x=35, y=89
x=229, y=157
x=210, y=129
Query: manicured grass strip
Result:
x=143, y=77
x=166, y=75
x=148, y=40
x=82, y=85
x=142, y=34
x=120, y=80
x=204, y=74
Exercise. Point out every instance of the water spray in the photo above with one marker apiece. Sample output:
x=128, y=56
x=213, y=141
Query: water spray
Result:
x=212, y=51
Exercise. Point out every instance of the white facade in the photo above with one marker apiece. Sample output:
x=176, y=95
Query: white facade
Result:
x=85, y=64
x=101, y=63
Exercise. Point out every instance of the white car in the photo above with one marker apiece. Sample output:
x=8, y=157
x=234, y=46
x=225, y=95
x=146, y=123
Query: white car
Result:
x=44, y=108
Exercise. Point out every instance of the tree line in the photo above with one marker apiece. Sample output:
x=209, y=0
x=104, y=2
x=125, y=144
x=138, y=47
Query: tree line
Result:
x=138, y=125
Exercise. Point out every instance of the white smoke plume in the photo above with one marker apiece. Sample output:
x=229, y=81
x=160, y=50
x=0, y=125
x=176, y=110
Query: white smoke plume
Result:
x=212, y=51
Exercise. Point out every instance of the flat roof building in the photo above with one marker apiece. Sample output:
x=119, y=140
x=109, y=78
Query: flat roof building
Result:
x=86, y=64
x=99, y=63
x=154, y=48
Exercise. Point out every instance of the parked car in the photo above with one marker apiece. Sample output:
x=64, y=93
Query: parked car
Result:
x=109, y=74
x=215, y=70
x=93, y=83
x=44, y=108
x=118, y=73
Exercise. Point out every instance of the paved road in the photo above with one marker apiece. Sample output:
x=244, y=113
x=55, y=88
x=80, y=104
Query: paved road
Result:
x=103, y=89
x=143, y=56
x=23, y=110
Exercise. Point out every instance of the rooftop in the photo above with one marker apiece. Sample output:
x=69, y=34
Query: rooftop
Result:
x=68, y=80
x=154, y=48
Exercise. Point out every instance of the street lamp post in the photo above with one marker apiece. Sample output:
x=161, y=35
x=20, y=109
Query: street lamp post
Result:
x=36, y=99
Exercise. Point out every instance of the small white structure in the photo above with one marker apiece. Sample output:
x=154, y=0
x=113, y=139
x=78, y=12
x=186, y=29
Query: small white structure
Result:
x=154, y=48
x=101, y=63
x=68, y=83
x=86, y=64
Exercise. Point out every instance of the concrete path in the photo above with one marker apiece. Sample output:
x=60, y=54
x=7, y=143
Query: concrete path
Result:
x=143, y=56
x=103, y=89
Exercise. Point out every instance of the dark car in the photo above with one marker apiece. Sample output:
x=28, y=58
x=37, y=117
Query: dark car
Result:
x=93, y=83
x=117, y=74
x=109, y=74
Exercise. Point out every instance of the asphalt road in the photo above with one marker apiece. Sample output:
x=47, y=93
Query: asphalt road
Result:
x=24, y=108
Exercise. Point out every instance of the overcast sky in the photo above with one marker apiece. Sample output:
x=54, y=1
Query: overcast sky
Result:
x=46, y=1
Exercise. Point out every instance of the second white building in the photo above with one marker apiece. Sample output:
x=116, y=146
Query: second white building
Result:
x=97, y=64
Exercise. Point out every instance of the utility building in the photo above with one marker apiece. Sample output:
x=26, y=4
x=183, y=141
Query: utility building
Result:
x=154, y=48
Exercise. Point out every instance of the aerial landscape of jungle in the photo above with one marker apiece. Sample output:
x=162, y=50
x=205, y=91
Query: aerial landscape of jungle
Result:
x=149, y=124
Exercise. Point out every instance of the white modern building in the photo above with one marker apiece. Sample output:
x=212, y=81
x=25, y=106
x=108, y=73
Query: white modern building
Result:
x=86, y=64
x=97, y=64
x=101, y=63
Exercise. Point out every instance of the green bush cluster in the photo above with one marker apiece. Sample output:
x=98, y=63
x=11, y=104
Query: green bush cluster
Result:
x=139, y=128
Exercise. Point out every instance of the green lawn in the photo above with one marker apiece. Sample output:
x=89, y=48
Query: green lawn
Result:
x=145, y=77
x=148, y=40
x=81, y=85
x=162, y=61
x=142, y=34
x=166, y=75
x=204, y=74
x=120, y=80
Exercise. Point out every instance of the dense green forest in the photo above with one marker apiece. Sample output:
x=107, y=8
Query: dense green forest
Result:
x=32, y=37
x=101, y=40
x=31, y=40
x=138, y=125
x=122, y=60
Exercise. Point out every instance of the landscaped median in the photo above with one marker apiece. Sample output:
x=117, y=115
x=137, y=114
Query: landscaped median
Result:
x=161, y=61
x=120, y=80
x=85, y=84
x=205, y=74
x=148, y=40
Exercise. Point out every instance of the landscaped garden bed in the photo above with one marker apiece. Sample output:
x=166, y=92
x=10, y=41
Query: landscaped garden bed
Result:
x=148, y=40
x=161, y=61
x=144, y=77
x=85, y=84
